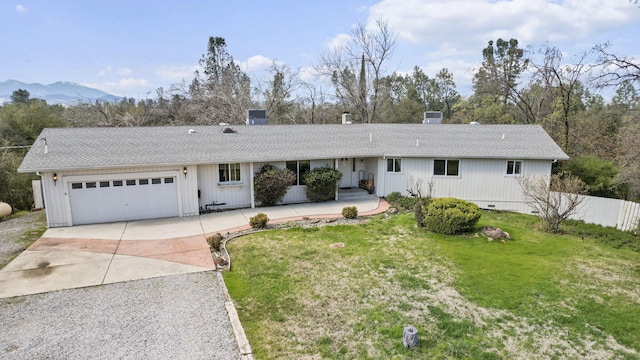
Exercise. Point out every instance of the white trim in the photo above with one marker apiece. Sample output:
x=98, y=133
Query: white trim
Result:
x=251, y=186
x=119, y=176
x=514, y=175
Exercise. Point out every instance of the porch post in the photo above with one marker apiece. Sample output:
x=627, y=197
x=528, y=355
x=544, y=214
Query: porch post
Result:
x=335, y=166
x=251, y=175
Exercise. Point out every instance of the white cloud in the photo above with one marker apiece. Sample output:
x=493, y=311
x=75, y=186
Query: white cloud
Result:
x=471, y=21
x=109, y=70
x=176, y=73
x=452, y=33
x=21, y=8
x=256, y=63
x=308, y=74
x=130, y=87
x=338, y=41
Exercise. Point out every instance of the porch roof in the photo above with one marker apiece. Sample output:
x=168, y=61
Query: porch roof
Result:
x=97, y=148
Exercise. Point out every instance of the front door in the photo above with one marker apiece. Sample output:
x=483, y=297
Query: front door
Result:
x=345, y=167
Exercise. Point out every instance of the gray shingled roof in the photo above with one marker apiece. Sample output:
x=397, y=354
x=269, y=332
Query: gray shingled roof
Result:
x=94, y=148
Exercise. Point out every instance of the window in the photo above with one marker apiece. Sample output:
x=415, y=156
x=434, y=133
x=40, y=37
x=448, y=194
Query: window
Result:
x=394, y=165
x=76, y=185
x=143, y=181
x=155, y=181
x=514, y=167
x=117, y=182
x=168, y=180
x=131, y=182
x=104, y=184
x=299, y=168
x=90, y=185
x=229, y=172
x=446, y=167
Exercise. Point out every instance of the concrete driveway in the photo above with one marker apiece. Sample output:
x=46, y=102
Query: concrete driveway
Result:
x=88, y=255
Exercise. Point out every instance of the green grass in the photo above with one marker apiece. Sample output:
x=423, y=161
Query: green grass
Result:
x=468, y=298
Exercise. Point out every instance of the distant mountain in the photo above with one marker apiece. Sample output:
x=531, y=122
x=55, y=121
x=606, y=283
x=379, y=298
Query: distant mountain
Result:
x=61, y=92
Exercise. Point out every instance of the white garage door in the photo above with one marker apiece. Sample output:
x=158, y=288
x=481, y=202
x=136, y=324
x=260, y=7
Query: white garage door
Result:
x=123, y=199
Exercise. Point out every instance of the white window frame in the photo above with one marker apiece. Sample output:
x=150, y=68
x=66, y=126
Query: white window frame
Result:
x=299, y=174
x=231, y=174
x=446, y=168
x=514, y=168
x=395, y=164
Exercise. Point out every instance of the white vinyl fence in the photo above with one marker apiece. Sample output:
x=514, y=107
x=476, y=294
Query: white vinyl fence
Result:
x=620, y=214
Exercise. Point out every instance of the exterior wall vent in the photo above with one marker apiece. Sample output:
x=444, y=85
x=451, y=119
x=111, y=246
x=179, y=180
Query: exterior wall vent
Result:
x=228, y=130
x=346, y=118
x=256, y=117
x=432, y=117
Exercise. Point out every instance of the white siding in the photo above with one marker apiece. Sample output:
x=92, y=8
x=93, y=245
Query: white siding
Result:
x=235, y=195
x=296, y=193
x=482, y=181
x=57, y=202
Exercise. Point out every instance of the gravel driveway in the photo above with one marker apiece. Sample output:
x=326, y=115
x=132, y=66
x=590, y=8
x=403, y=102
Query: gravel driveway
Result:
x=174, y=317
x=12, y=229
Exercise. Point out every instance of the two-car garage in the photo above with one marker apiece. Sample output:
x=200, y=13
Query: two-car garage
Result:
x=122, y=197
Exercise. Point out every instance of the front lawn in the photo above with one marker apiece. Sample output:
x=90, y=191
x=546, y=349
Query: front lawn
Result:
x=538, y=296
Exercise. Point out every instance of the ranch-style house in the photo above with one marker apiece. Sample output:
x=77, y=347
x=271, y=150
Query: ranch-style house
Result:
x=100, y=175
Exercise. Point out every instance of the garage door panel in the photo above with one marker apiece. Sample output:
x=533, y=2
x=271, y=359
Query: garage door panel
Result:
x=122, y=200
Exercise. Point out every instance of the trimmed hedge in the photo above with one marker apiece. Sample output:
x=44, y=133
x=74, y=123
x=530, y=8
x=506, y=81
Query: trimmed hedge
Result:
x=322, y=183
x=450, y=216
x=259, y=221
x=271, y=184
x=350, y=212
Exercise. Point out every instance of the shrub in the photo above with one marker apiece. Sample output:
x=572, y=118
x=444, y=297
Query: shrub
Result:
x=350, y=212
x=214, y=241
x=271, y=184
x=259, y=221
x=394, y=197
x=407, y=202
x=419, y=210
x=322, y=183
x=450, y=216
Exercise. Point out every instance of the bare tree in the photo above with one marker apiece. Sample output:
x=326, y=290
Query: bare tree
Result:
x=279, y=93
x=555, y=199
x=629, y=160
x=564, y=81
x=614, y=70
x=356, y=68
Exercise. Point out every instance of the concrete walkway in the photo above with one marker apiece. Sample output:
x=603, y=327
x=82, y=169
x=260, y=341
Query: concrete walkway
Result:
x=89, y=255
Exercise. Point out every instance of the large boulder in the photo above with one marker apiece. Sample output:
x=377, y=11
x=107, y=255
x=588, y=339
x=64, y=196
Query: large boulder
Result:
x=494, y=233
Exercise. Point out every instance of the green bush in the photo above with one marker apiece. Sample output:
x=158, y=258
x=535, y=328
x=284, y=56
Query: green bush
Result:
x=598, y=174
x=394, y=197
x=259, y=221
x=450, y=216
x=407, y=202
x=350, y=212
x=271, y=184
x=322, y=183
x=214, y=241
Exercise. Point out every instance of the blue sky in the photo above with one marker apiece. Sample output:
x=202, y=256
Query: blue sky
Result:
x=130, y=48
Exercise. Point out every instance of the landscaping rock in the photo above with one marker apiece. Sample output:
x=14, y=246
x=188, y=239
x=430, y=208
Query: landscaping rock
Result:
x=494, y=233
x=220, y=261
